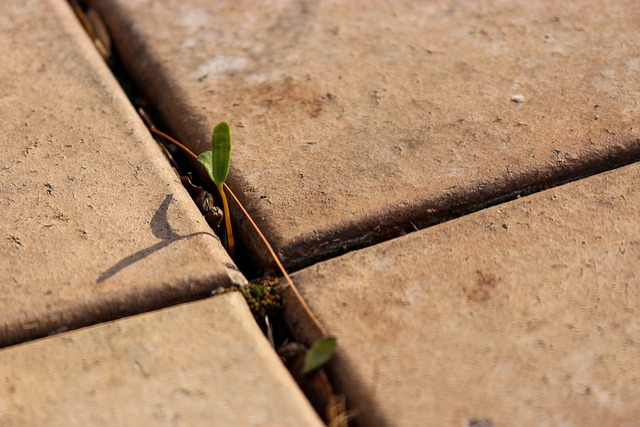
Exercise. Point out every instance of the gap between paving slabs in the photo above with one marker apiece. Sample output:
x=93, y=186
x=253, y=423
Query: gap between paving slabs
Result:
x=350, y=236
x=264, y=303
x=267, y=309
x=457, y=207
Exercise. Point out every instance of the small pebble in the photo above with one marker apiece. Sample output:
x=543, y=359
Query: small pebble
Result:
x=519, y=98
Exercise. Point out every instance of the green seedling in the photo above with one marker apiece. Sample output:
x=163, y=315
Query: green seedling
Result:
x=216, y=161
x=319, y=353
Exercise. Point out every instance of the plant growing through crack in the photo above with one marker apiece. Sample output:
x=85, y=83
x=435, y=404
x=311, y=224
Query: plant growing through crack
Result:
x=216, y=162
x=224, y=146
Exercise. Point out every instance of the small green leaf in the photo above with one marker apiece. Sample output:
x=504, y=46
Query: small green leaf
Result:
x=205, y=159
x=220, y=152
x=319, y=353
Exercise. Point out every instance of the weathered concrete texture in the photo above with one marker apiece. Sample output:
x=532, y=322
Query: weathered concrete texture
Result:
x=95, y=224
x=352, y=118
x=199, y=364
x=523, y=314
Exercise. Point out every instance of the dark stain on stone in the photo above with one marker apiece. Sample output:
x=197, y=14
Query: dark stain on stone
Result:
x=480, y=422
x=288, y=96
x=481, y=290
x=15, y=240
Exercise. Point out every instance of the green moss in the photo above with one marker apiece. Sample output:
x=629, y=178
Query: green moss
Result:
x=261, y=298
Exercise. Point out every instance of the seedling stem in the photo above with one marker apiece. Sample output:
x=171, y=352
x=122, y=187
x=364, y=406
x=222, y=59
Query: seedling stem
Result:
x=227, y=220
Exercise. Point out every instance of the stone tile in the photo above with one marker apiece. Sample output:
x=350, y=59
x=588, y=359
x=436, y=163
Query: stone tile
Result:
x=95, y=224
x=351, y=120
x=522, y=314
x=199, y=364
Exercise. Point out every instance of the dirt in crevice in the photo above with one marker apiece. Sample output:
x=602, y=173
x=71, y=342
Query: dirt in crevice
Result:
x=263, y=294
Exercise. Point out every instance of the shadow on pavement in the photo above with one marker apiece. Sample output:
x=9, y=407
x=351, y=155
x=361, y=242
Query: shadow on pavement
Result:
x=160, y=228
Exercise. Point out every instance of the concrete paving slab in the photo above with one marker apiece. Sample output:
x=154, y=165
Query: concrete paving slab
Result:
x=198, y=364
x=522, y=314
x=353, y=119
x=95, y=224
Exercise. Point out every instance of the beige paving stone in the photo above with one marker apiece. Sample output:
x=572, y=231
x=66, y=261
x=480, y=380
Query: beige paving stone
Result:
x=94, y=223
x=352, y=118
x=198, y=364
x=522, y=314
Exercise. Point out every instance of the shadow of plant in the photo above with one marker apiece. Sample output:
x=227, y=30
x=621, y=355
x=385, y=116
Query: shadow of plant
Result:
x=160, y=228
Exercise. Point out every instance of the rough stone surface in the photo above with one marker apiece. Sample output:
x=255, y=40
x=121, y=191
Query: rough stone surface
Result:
x=199, y=364
x=353, y=119
x=95, y=224
x=526, y=313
